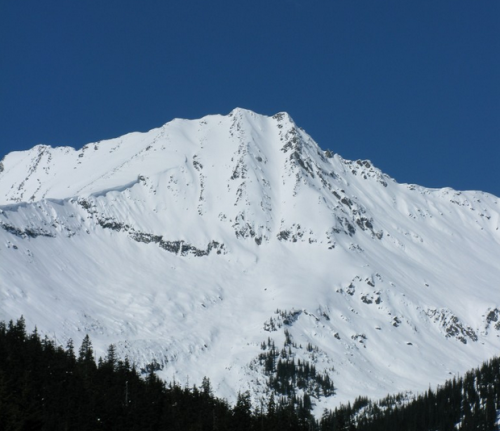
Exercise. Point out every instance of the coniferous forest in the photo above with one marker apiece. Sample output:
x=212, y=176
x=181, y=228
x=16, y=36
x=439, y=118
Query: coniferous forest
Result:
x=48, y=387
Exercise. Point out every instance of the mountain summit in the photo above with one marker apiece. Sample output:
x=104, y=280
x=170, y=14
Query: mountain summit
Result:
x=233, y=247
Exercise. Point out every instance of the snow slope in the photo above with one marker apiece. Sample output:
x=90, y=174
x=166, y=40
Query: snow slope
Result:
x=194, y=243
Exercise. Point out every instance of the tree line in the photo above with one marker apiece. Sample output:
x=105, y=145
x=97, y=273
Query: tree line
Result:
x=47, y=387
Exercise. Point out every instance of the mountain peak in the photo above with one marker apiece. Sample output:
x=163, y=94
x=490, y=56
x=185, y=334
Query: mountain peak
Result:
x=280, y=117
x=243, y=111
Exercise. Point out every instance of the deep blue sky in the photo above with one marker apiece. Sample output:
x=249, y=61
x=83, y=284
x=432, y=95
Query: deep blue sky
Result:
x=412, y=85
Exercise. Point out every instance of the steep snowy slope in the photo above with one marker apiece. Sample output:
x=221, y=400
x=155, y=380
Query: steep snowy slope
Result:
x=219, y=246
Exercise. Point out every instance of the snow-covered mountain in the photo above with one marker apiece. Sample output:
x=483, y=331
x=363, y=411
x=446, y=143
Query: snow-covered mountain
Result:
x=218, y=247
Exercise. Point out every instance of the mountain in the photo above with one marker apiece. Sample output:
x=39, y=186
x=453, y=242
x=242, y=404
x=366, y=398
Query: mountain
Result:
x=233, y=247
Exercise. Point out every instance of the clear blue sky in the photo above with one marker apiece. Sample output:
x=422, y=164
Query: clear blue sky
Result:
x=413, y=85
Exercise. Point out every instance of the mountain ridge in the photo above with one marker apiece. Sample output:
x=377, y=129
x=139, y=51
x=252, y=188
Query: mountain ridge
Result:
x=203, y=239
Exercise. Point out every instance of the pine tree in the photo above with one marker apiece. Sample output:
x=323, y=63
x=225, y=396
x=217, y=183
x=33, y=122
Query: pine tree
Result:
x=242, y=412
x=86, y=353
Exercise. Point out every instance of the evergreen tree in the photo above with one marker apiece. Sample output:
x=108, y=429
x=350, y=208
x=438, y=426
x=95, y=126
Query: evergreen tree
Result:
x=242, y=412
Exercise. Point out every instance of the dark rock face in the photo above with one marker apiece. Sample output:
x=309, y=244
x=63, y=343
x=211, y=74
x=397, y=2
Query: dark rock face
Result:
x=452, y=326
x=25, y=233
